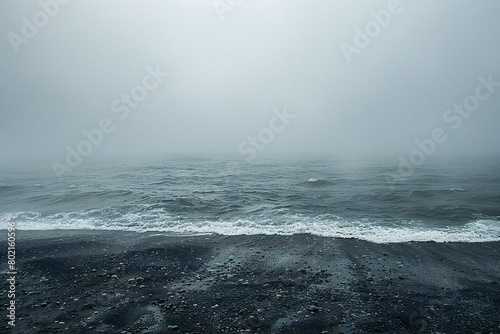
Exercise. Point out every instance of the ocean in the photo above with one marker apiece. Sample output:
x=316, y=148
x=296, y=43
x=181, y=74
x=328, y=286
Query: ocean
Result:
x=443, y=201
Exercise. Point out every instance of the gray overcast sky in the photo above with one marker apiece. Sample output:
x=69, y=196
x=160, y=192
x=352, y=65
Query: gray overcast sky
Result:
x=226, y=76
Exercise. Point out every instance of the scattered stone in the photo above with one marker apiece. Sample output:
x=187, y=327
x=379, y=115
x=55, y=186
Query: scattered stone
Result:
x=313, y=308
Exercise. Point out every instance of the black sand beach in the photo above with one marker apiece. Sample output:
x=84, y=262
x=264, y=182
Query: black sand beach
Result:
x=120, y=282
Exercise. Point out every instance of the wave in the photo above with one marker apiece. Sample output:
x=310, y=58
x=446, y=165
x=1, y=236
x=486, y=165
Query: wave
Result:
x=4, y=188
x=208, y=191
x=78, y=196
x=144, y=218
x=436, y=192
x=104, y=194
x=317, y=182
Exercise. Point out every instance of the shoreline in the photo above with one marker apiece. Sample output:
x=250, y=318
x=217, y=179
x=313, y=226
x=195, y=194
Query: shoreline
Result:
x=91, y=281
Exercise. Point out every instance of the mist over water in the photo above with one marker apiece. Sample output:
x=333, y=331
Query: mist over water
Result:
x=376, y=120
x=226, y=73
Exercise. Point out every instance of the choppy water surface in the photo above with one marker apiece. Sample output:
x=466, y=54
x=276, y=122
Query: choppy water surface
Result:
x=452, y=201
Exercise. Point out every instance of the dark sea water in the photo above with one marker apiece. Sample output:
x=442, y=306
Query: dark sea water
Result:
x=446, y=201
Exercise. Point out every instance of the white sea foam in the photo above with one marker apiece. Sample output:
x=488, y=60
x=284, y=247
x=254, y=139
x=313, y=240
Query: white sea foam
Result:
x=481, y=230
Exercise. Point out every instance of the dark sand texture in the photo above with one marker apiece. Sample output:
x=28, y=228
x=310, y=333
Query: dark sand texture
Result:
x=119, y=282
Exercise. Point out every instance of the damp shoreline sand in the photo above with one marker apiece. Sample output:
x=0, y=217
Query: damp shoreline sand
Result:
x=82, y=281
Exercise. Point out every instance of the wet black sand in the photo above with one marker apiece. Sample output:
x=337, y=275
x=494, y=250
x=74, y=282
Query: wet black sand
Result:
x=119, y=282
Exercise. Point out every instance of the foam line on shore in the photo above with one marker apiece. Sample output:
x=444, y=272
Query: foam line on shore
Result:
x=481, y=230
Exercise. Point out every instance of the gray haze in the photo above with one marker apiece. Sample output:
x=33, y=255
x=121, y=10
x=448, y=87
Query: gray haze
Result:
x=227, y=76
